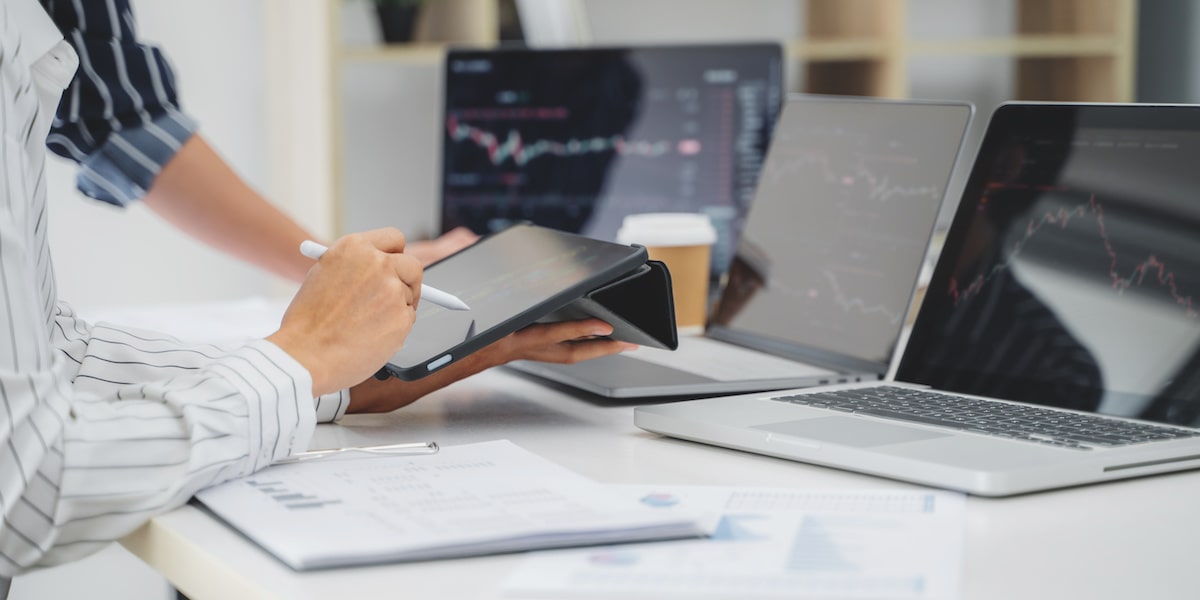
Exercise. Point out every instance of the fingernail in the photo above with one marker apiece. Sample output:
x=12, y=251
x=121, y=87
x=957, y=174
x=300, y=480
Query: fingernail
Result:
x=627, y=347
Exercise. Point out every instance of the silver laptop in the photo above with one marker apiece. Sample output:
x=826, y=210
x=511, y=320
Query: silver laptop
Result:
x=837, y=233
x=1058, y=343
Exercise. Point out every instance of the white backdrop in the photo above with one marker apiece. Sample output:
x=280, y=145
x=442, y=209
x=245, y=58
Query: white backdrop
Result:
x=106, y=256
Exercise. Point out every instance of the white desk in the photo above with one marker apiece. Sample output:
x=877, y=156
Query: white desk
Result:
x=1131, y=539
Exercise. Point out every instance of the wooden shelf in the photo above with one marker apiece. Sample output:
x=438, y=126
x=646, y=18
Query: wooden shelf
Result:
x=1071, y=50
x=1024, y=46
x=416, y=54
x=1068, y=50
x=1027, y=46
x=833, y=50
x=863, y=47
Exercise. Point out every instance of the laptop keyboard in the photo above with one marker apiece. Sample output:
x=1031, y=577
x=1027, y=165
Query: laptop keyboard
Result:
x=1012, y=421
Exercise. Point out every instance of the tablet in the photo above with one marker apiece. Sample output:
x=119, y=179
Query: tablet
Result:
x=510, y=279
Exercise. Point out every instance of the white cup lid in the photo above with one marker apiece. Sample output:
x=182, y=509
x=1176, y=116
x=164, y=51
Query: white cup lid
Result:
x=667, y=229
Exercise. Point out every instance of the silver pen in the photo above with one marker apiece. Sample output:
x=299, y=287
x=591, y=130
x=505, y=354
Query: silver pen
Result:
x=389, y=449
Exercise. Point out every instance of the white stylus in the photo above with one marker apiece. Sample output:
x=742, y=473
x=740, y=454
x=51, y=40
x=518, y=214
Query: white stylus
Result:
x=314, y=251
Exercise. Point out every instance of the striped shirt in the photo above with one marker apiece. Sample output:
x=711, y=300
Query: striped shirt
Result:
x=103, y=427
x=119, y=118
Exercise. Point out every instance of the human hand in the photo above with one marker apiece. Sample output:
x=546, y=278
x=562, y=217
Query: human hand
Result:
x=564, y=342
x=354, y=309
x=431, y=251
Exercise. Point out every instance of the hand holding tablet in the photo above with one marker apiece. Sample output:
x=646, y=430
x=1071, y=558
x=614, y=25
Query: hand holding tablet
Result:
x=512, y=279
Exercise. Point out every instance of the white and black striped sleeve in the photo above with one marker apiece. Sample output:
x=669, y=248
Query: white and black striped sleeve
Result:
x=111, y=426
x=92, y=354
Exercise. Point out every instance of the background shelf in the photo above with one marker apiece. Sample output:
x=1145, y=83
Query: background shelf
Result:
x=361, y=117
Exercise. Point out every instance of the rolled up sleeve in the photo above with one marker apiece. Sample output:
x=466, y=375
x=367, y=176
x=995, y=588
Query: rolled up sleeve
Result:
x=120, y=118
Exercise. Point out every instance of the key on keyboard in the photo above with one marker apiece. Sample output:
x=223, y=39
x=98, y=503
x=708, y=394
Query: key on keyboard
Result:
x=1013, y=421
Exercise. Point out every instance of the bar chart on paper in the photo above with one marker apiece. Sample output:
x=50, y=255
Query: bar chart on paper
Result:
x=287, y=498
x=466, y=500
x=772, y=543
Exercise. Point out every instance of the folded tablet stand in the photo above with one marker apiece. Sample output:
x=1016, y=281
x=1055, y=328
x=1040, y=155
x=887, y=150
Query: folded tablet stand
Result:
x=639, y=306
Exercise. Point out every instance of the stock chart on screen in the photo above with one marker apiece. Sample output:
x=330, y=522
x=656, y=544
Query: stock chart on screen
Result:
x=1076, y=244
x=575, y=139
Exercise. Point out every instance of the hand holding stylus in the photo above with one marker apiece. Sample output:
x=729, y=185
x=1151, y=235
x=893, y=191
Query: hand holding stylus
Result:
x=353, y=311
x=315, y=251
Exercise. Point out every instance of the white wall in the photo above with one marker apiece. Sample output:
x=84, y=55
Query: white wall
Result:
x=1169, y=51
x=678, y=21
x=982, y=81
x=106, y=256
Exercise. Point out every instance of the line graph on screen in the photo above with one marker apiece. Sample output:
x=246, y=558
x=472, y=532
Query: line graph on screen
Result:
x=512, y=146
x=1143, y=271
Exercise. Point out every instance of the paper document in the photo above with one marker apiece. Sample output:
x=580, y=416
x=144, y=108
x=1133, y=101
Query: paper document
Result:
x=772, y=543
x=465, y=500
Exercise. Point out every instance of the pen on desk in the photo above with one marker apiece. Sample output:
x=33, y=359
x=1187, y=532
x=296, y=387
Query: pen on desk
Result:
x=390, y=449
x=314, y=251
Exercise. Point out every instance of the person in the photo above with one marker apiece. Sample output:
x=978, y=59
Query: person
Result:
x=104, y=427
x=121, y=120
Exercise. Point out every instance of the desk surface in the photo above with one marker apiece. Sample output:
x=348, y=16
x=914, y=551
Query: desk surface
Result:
x=1129, y=539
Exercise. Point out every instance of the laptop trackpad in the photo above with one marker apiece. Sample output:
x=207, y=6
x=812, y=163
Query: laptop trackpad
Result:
x=849, y=431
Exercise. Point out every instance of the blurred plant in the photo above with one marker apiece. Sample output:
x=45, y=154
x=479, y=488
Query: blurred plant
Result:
x=397, y=18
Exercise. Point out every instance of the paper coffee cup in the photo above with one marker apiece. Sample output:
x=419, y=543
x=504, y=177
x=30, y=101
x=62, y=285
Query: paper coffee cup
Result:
x=684, y=242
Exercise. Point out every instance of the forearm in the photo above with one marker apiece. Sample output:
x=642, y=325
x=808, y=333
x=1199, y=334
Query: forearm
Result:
x=374, y=396
x=564, y=342
x=121, y=425
x=201, y=195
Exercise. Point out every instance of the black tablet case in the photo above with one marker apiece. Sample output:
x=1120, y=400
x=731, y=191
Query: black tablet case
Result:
x=639, y=306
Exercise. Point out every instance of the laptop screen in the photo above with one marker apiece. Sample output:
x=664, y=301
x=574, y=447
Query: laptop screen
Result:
x=1071, y=274
x=575, y=139
x=833, y=245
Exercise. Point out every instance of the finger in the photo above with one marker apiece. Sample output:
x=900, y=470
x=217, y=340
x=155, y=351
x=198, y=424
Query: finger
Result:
x=387, y=239
x=410, y=295
x=410, y=315
x=552, y=333
x=410, y=271
x=407, y=268
x=573, y=352
x=460, y=236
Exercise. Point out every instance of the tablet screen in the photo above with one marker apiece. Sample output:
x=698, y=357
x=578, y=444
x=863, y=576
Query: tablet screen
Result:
x=509, y=279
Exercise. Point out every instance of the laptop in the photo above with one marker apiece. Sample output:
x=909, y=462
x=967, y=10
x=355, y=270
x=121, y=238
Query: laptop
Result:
x=578, y=138
x=1058, y=342
x=827, y=262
